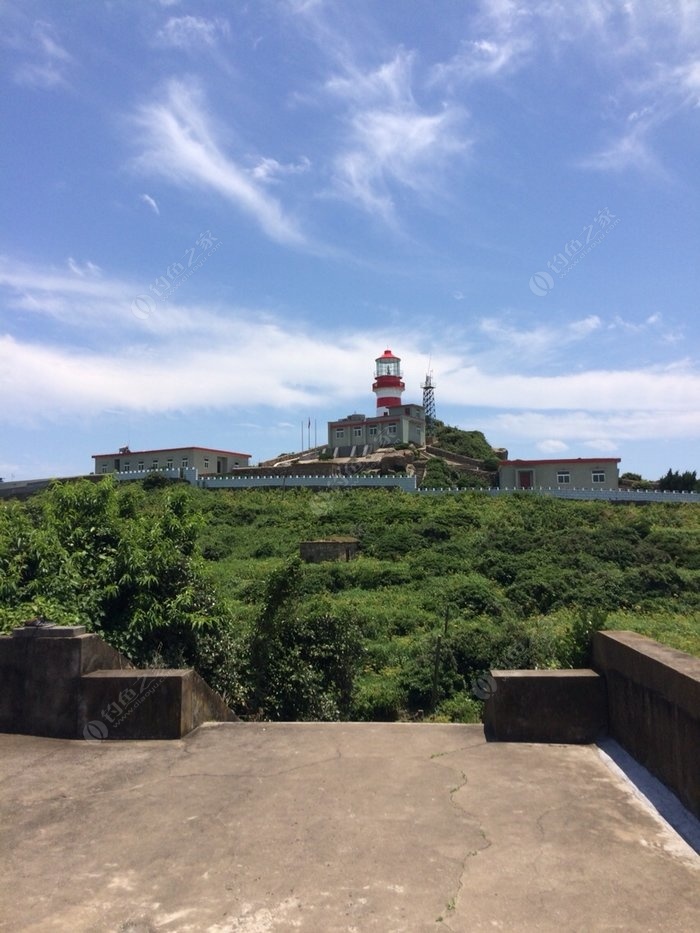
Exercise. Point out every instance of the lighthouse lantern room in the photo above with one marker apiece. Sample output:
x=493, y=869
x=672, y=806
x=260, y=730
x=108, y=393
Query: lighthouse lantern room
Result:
x=388, y=385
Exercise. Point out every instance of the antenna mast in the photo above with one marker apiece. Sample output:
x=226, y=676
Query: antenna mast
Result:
x=428, y=388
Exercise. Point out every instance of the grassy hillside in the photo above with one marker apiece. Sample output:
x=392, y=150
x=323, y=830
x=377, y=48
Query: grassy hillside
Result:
x=444, y=588
x=467, y=443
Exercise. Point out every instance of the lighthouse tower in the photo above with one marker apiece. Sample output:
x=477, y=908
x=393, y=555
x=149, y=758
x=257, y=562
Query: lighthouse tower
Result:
x=388, y=384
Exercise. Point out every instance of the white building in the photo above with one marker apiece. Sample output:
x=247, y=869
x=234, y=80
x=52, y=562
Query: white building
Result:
x=579, y=473
x=202, y=459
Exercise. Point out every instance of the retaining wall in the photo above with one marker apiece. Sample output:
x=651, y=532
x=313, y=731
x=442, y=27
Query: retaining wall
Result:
x=653, y=695
x=647, y=695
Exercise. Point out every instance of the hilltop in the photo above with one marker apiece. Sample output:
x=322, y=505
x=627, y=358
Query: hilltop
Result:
x=452, y=457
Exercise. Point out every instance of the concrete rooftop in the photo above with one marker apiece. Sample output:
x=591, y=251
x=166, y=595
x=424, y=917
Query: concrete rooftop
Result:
x=259, y=828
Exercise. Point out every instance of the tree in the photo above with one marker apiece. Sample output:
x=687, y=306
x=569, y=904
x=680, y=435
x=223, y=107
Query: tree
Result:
x=674, y=481
x=119, y=561
x=302, y=664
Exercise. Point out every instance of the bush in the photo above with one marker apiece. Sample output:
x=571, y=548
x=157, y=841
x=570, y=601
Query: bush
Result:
x=378, y=697
x=462, y=707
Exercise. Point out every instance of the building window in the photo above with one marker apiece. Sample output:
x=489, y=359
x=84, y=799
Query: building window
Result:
x=339, y=434
x=598, y=476
x=357, y=432
x=185, y=462
x=154, y=464
x=104, y=467
x=563, y=476
x=140, y=466
x=391, y=429
x=169, y=463
x=127, y=464
x=372, y=431
x=206, y=463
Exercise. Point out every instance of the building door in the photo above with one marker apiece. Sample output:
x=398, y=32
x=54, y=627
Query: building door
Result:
x=525, y=479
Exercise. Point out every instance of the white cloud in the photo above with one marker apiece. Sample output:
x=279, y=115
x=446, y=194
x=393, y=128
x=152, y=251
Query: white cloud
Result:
x=272, y=170
x=180, y=145
x=631, y=150
x=42, y=282
x=670, y=388
x=389, y=148
x=191, y=32
x=49, y=61
x=88, y=269
x=537, y=343
x=109, y=358
x=551, y=446
x=650, y=52
x=151, y=202
x=602, y=431
x=482, y=59
x=389, y=84
x=602, y=444
x=390, y=140
x=635, y=327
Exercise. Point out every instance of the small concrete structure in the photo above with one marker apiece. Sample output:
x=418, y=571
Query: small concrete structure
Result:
x=654, y=707
x=546, y=706
x=339, y=547
x=60, y=682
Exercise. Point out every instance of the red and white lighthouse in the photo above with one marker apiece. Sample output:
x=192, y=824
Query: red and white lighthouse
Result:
x=388, y=384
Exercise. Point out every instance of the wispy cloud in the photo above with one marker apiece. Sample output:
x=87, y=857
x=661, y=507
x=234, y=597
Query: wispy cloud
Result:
x=391, y=141
x=651, y=322
x=151, y=202
x=191, y=32
x=506, y=40
x=552, y=446
x=179, y=144
x=272, y=170
x=533, y=345
x=650, y=51
x=629, y=149
x=88, y=269
x=599, y=431
x=48, y=61
x=26, y=278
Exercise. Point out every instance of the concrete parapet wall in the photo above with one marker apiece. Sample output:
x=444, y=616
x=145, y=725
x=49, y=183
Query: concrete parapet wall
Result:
x=62, y=683
x=40, y=675
x=546, y=706
x=654, y=707
x=146, y=704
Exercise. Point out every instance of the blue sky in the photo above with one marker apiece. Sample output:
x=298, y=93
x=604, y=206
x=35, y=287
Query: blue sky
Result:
x=216, y=215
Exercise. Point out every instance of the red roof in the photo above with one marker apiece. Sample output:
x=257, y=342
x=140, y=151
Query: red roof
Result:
x=569, y=460
x=387, y=354
x=162, y=450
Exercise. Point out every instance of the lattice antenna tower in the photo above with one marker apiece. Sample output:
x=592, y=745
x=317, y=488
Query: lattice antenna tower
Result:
x=428, y=388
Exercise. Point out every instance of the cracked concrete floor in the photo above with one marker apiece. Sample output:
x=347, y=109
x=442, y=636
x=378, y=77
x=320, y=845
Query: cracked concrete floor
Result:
x=259, y=828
